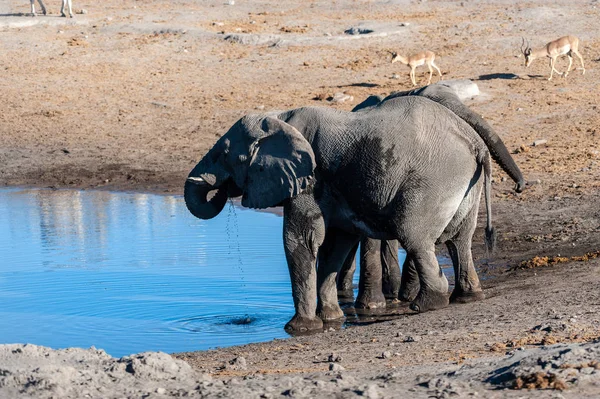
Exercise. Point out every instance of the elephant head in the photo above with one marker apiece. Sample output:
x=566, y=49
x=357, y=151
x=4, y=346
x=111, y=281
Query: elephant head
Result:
x=261, y=158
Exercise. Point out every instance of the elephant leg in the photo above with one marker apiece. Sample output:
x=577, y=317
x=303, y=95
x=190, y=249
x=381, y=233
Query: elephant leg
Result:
x=467, y=287
x=332, y=254
x=345, y=277
x=409, y=286
x=433, y=291
x=303, y=234
x=390, y=269
x=370, y=294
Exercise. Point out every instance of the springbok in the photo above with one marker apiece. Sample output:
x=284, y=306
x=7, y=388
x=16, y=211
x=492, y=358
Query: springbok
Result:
x=566, y=45
x=65, y=3
x=415, y=60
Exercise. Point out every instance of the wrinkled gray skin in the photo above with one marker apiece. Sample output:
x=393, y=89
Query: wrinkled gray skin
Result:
x=380, y=274
x=408, y=169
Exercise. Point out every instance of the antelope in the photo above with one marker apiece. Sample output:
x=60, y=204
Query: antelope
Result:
x=566, y=45
x=65, y=3
x=415, y=60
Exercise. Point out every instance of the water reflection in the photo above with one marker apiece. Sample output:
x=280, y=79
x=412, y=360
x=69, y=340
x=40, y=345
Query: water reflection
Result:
x=131, y=272
x=134, y=272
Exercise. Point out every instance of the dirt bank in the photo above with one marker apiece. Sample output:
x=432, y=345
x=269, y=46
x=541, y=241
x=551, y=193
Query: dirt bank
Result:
x=129, y=95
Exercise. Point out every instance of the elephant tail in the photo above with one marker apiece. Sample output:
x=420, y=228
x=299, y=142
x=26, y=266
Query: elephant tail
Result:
x=490, y=232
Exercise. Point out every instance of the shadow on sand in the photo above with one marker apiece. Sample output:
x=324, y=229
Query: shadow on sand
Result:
x=492, y=76
x=359, y=85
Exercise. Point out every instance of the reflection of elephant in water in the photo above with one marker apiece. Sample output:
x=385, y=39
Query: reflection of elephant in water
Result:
x=408, y=169
x=380, y=275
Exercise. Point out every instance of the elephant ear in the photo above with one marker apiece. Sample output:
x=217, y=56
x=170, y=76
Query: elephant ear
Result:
x=281, y=166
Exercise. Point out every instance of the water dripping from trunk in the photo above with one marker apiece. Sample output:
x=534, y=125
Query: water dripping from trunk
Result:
x=232, y=220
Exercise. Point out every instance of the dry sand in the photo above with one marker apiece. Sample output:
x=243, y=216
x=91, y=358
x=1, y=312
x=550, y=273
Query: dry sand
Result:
x=131, y=94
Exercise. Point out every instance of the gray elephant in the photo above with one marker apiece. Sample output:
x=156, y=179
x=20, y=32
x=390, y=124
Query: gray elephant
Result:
x=380, y=275
x=408, y=169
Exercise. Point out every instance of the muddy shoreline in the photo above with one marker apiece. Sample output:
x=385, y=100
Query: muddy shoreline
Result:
x=129, y=97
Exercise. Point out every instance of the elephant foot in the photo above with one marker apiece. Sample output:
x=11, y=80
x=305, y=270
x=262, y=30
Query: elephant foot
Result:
x=299, y=324
x=346, y=296
x=327, y=313
x=408, y=294
x=391, y=296
x=431, y=300
x=460, y=296
x=370, y=302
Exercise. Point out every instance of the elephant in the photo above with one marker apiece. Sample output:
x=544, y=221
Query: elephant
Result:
x=409, y=169
x=380, y=277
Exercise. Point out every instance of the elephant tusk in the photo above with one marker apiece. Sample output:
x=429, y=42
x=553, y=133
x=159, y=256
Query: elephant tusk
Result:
x=196, y=180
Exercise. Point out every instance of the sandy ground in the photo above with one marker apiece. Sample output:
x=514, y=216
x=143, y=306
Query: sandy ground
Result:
x=129, y=95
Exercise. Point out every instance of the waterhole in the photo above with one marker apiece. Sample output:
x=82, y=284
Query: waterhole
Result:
x=130, y=272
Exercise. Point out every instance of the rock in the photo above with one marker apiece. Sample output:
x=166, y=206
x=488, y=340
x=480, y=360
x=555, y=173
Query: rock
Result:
x=463, y=88
x=238, y=363
x=334, y=358
x=336, y=367
x=253, y=39
x=82, y=11
x=395, y=76
x=358, y=31
x=341, y=98
x=410, y=338
x=161, y=391
x=371, y=392
x=537, y=143
x=386, y=355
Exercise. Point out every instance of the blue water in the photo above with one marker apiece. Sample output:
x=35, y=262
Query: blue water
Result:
x=130, y=272
x=135, y=272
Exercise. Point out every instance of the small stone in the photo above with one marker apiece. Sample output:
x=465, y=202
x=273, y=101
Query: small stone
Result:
x=587, y=370
x=519, y=109
x=537, y=143
x=161, y=391
x=410, y=338
x=395, y=76
x=238, y=363
x=83, y=11
x=399, y=334
x=230, y=2
x=334, y=358
x=503, y=179
x=386, y=355
x=341, y=98
x=371, y=392
x=336, y=367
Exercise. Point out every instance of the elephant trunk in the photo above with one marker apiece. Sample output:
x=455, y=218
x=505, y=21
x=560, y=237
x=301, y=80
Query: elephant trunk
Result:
x=196, y=198
x=498, y=151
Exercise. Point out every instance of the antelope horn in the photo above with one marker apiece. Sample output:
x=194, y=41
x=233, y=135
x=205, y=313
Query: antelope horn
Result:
x=522, y=43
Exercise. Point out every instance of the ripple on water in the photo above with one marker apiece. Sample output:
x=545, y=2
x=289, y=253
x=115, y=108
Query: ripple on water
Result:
x=131, y=272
